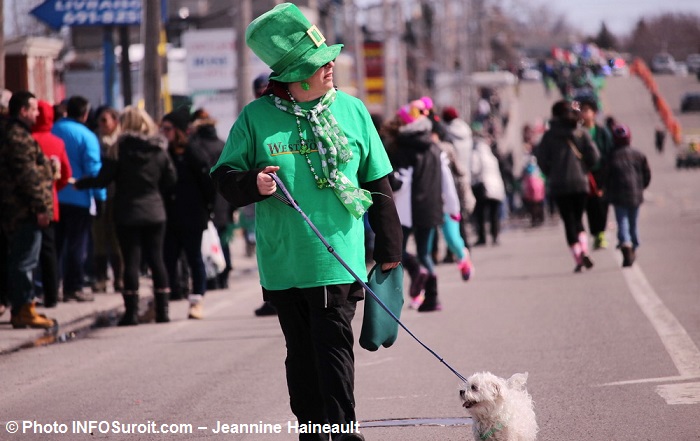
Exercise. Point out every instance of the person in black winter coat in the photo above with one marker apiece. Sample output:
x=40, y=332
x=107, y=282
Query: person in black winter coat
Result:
x=141, y=170
x=411, y=147
x=565, y=154
x=205, y=139
x=188, y=207
x=629, y=175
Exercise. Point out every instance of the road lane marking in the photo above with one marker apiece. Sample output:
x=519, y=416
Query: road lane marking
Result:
x=684, y=393
x=683, y=351
x=681, y=348
x=649, y=380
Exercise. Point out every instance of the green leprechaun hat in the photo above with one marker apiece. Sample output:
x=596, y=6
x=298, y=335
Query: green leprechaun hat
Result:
x=289, y=44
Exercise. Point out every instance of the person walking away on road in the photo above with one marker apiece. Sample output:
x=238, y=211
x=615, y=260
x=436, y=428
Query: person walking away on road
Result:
x=26, y=206
x=461, y=136
x=452, y=174
x=488, y=188
x=322, y=144
x=533, y=189
x=106, y=250
x=565, y=154
x=140, y=169
x=205, y=139
x=629, y=175
x=659, y=138
x=55, y=150
x=411, y=147
x=77, y=206
x=597, y=203
x=188, y=206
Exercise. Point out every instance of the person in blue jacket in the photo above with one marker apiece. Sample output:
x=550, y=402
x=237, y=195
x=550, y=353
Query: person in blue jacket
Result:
x=77, y=206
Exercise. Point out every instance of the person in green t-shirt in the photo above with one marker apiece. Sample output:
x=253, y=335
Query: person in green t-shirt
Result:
x=597, y=203
x=322, y=144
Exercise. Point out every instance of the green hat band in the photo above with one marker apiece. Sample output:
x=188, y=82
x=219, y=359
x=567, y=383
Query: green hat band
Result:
x=299, y=49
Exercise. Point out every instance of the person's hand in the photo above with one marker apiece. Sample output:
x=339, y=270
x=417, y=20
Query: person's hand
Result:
x=99, y=208
x=389, y=266
x=56, y=164
x=266, y=185
x=76, y=183
x=43, y=219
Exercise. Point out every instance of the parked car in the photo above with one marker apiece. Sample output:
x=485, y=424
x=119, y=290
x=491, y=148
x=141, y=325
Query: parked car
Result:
x=690, y=102
x=681, y=69
x=693, y=63
x=663, y=63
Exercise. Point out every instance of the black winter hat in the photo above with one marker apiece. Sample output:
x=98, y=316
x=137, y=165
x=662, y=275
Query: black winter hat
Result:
x=180, y=118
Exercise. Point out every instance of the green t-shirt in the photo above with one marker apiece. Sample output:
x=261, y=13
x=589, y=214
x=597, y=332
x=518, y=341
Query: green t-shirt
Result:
x=289, y=253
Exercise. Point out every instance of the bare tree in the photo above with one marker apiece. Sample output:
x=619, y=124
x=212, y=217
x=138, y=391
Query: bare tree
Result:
x=677, y=34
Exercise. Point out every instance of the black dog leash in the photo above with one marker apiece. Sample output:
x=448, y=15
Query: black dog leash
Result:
x=287, y=199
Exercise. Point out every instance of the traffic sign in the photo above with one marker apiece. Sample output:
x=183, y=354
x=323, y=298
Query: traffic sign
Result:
x=58, y=13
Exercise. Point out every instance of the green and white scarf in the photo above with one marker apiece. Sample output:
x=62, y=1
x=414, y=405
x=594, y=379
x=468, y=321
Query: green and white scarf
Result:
x=332, y=146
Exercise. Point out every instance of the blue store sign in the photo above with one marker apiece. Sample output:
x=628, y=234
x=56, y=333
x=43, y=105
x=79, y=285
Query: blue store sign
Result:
x=58, y=13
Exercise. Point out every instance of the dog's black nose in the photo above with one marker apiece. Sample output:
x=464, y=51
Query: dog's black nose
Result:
x=462, y=393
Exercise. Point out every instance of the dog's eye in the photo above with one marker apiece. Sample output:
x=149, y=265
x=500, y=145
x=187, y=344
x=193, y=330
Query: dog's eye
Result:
x=475, y=388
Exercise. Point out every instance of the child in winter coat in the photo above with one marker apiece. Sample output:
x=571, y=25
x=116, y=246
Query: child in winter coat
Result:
x=533, y=188
x=629, y=175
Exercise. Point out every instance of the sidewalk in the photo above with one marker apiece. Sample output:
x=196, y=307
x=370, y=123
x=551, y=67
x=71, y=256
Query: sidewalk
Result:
x=75, y=318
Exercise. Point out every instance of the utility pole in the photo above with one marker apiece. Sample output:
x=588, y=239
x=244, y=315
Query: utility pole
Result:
x=151, y=59
x=2, y=45
x=244, y=92
x=125, y=65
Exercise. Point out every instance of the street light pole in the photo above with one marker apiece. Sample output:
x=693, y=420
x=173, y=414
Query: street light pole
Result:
x=151, y=59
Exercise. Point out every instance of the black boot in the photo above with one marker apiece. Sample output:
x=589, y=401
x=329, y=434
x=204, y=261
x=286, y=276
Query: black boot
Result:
x=223, y=279
x=627, y=256
x=131, y=309
x=161, y=297
x=431, y=302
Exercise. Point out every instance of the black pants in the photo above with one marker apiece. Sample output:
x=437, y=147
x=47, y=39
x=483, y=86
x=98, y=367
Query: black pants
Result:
x=320, y=362
x=571, y=208
x=597, y=213
x=535, y=209
x=480, y=210
x=48, y=262
x=72, y=239
x=146, y=239
x=189, y=240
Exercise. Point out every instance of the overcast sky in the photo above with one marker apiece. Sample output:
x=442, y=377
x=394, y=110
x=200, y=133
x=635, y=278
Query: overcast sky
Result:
x=620, y=16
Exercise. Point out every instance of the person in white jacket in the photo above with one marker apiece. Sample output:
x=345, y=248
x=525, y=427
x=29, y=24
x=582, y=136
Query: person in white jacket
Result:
x=488, y=189
x=460, y=136
x=452, y=205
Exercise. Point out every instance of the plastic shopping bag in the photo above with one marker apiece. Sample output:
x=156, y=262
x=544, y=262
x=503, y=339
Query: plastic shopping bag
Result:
x=212, y=253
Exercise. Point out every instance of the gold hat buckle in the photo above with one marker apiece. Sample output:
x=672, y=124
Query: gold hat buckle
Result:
x=316, y=36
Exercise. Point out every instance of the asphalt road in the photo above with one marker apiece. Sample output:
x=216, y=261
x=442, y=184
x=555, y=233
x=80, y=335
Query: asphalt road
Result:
x=611, y=353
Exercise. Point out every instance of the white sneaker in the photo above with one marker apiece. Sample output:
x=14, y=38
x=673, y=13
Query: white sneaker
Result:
x=196, y=311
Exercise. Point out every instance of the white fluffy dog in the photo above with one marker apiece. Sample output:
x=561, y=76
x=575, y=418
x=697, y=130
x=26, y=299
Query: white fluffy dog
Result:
x=501, y=409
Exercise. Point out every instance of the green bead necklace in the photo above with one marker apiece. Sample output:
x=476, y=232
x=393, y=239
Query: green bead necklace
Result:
x=321, y=183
